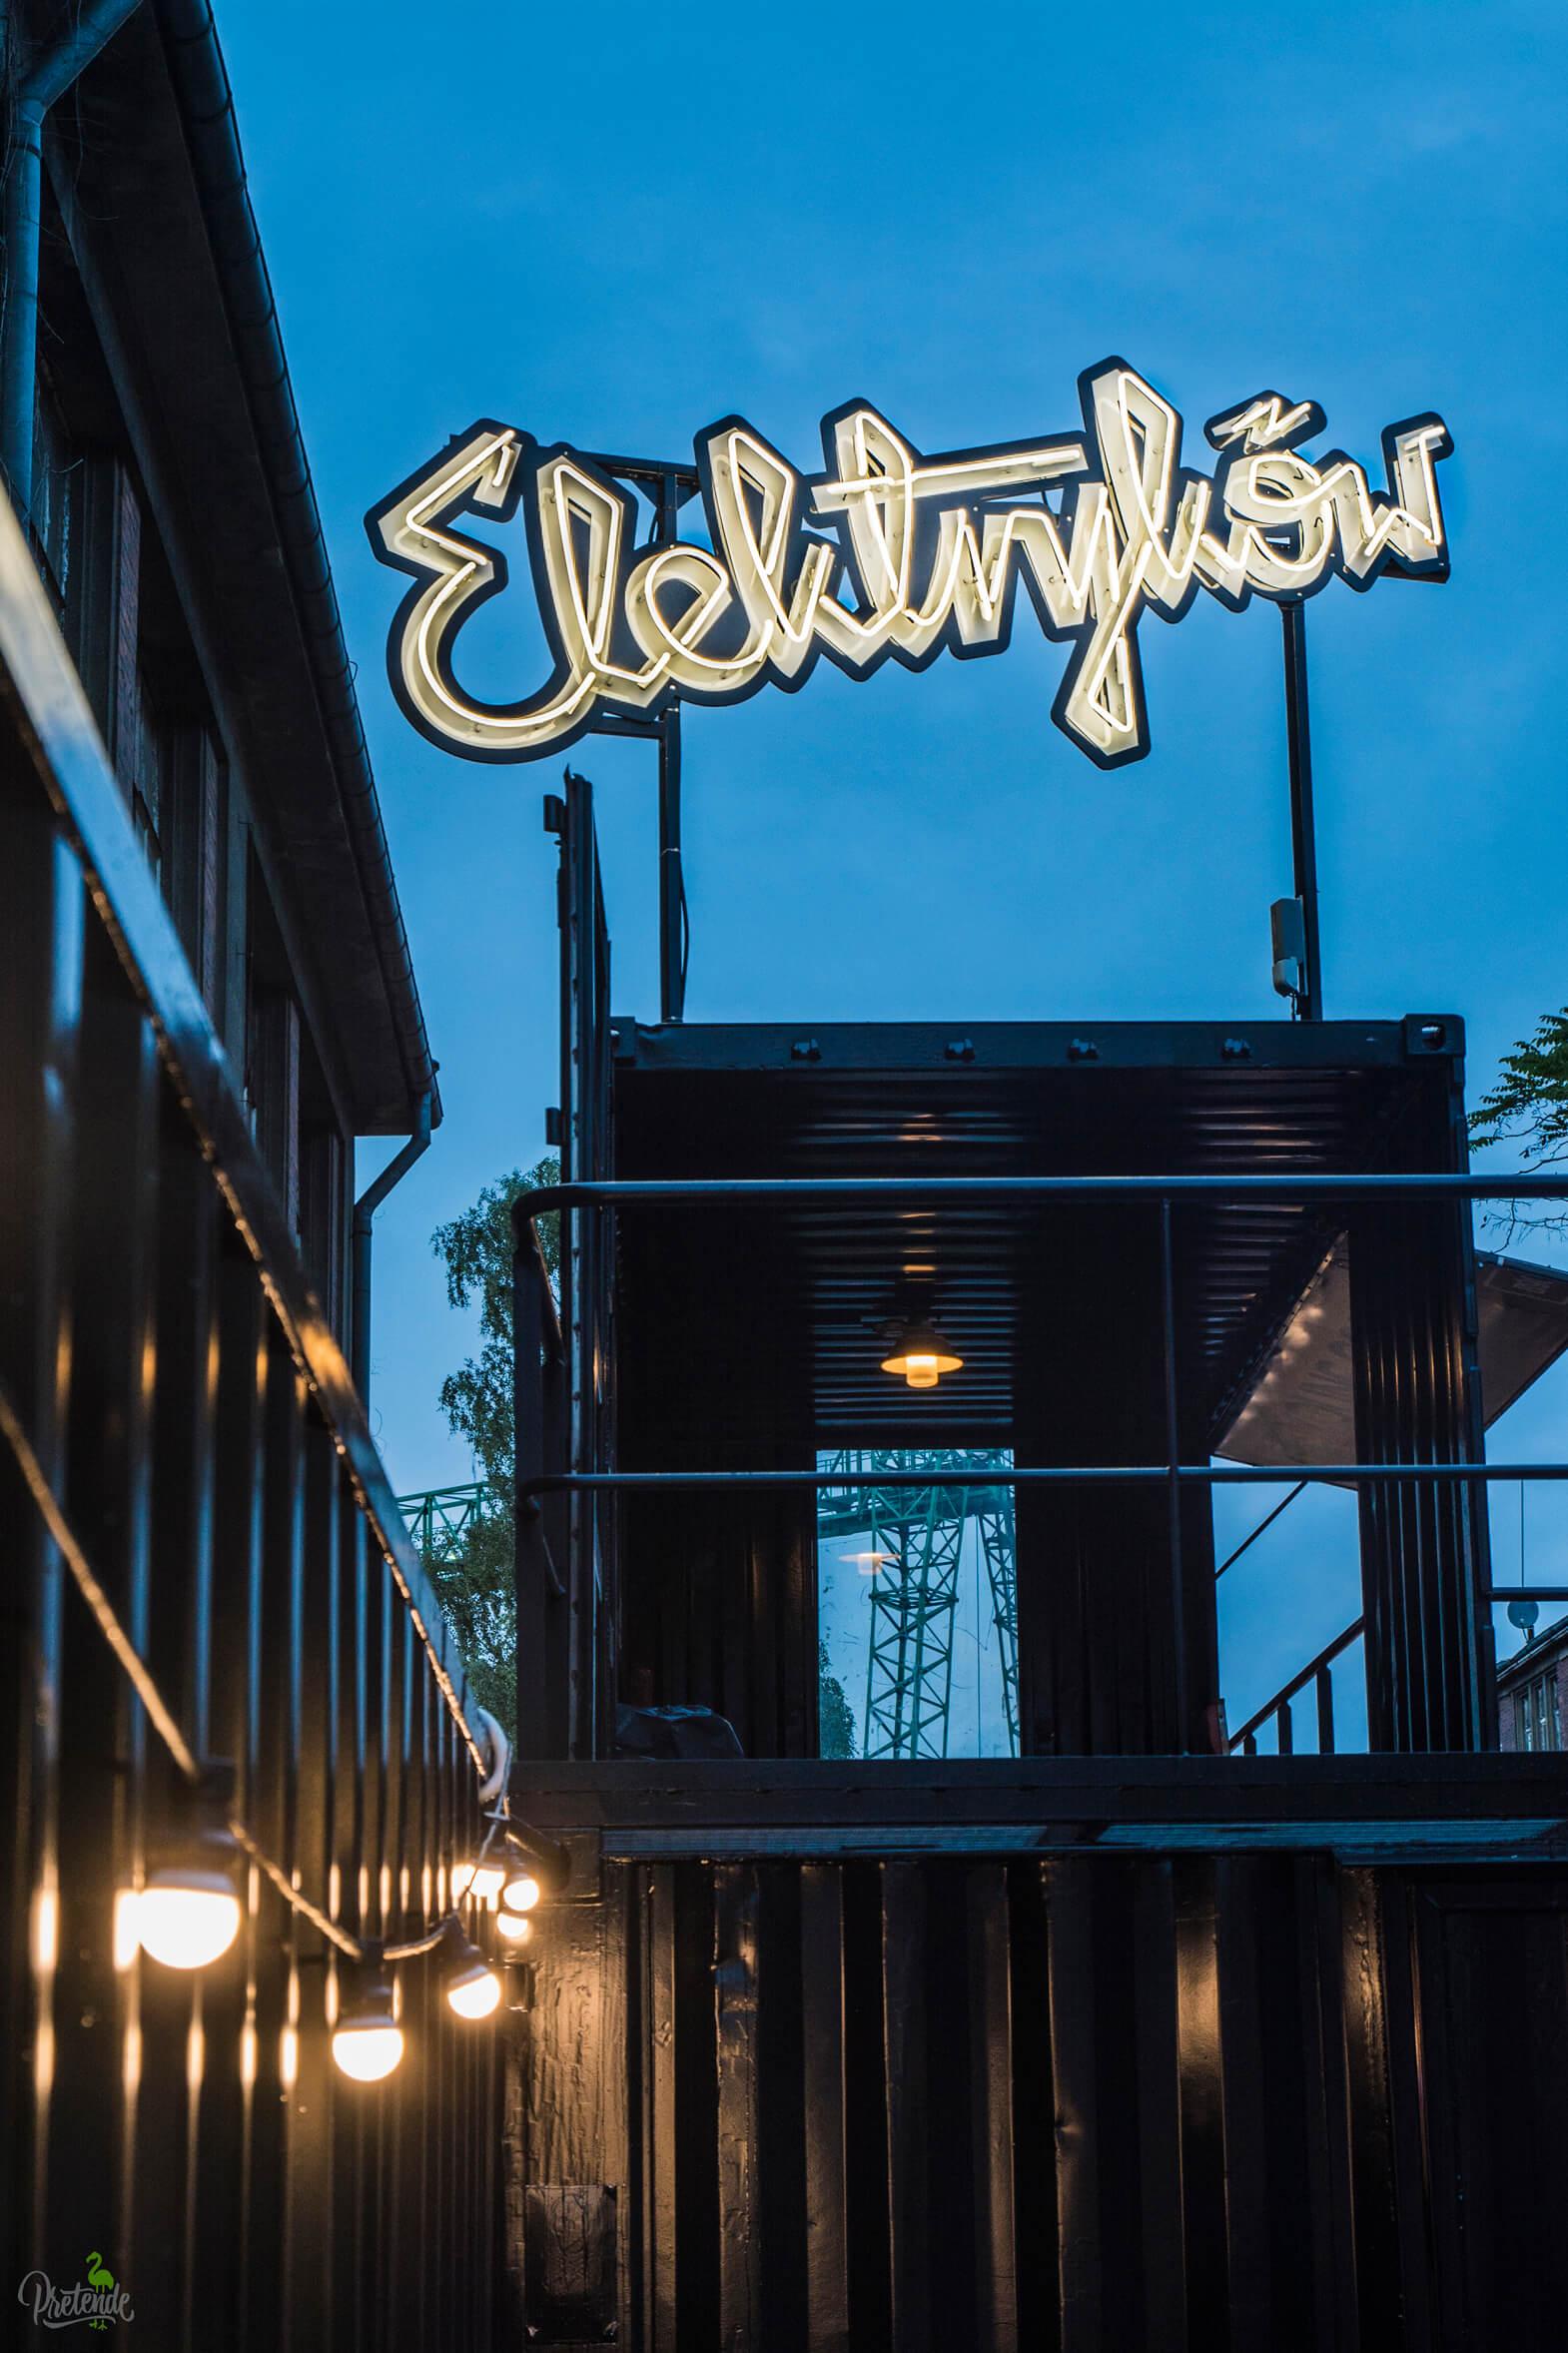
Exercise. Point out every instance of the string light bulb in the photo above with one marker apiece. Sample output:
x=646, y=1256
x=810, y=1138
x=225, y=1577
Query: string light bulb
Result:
x=472, y=1987
x=188, y=1913
x=514, y=1927
x=522, y=1891
x=367, y=2040
x=480, y=1878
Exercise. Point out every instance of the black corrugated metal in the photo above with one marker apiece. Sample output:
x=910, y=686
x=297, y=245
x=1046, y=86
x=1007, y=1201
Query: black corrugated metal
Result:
x=892, y=1099
x=186, y=1402
x=1199, y=2099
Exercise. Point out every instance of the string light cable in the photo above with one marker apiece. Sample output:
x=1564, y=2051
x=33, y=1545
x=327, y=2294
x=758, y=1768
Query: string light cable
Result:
x=187, y=1911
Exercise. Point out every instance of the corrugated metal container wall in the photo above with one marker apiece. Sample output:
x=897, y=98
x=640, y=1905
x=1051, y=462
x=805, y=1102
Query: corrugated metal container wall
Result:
x=1261, y=2102
x=174, y=1389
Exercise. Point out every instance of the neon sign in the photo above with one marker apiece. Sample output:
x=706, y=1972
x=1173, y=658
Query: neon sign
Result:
x=911, y=555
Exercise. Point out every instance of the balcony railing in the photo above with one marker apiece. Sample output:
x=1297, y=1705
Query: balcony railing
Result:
x=547, y=1582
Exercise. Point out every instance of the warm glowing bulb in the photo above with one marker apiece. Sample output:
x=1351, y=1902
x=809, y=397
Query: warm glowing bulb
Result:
x=521, y=1891
x=368, y=2048
x=186, y=1918
x=475, y=1993
x=921, y=1357
x=514, y=1927
x=481, y=1880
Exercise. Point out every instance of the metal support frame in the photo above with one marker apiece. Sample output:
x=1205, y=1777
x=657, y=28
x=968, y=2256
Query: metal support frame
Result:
x=909, y=1665
x=1173, y=1489
x=669, y=487
x=539, y=1377
x=1303, y=825
x=675, y=936
x=440, y=1518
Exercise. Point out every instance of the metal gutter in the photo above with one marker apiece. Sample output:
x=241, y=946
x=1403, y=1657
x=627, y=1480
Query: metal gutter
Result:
x=39, y=82
x=365, y=1209
x=200, y=85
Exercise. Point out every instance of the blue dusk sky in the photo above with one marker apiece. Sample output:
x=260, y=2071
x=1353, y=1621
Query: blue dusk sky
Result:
x=612, y=225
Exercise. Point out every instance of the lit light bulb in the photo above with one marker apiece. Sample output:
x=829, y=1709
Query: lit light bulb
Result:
x=921, y=1355
x=473, y=1989
x=367, y=2043
x=477, y=1996
x=516, y=1927
x=367, y=2052
x=188, y=1913
x=521, y=1891
x=869, y=1563
x=479, y=1879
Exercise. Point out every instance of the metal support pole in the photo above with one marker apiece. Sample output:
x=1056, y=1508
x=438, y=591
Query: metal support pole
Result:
x=1303, y=828
x=533, y=1632
x=1173, y=1477
x=672, y=886
x=19, y=344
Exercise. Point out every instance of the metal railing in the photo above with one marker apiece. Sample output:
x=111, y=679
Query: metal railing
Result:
x=1277, y=1711
x=544, y=1474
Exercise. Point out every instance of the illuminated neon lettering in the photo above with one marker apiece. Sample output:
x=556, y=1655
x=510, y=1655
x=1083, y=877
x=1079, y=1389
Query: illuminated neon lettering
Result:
x=889, y=554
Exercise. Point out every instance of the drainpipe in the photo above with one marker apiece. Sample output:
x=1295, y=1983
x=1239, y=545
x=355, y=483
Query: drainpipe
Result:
x=365, y=1209
x=45, y=79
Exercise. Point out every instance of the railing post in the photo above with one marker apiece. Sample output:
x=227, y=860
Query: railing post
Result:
x=531, y=1571
x=1173, y=1486
x=1286, y=1725
x=1325, y=1712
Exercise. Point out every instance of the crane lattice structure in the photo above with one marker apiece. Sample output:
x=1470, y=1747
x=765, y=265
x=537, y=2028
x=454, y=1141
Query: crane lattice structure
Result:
x=913, y=1593
x=440, y=1519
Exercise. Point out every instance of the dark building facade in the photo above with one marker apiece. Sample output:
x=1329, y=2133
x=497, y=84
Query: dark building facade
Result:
x=168, y=504
x=217, y=1638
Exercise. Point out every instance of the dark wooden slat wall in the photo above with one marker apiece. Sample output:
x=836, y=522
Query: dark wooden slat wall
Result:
x=193, y=2130
x=1237, y=2101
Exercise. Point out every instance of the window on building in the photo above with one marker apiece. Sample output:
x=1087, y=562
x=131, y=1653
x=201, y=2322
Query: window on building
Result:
x=177, y=799
x=1536, y=1724
x=57, y=465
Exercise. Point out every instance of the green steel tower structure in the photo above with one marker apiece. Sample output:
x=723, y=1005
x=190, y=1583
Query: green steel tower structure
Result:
x=919, y=1531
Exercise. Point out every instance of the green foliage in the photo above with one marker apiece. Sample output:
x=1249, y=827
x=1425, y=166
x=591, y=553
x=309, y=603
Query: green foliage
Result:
x=1529, y=1103
x=476, y=1587
x=835, y=1720
x=477, y=1249
x=1528, y=1108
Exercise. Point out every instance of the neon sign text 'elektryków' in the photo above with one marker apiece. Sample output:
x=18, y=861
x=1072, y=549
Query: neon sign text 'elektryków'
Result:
x=911, y=556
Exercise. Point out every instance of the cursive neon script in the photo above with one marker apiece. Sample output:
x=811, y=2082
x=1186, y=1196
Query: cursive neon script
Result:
x=914, y=556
